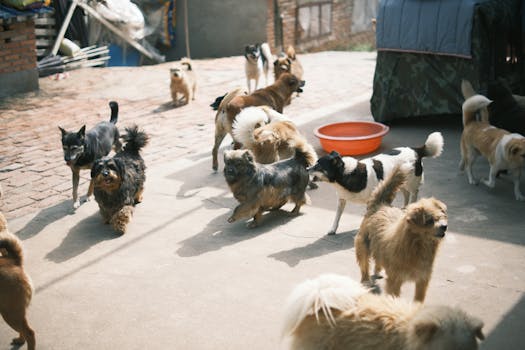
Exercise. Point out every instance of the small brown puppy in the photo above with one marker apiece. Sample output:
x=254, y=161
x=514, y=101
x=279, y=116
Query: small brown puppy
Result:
x=288, y=64
x=502, y=149
x=263, y=187
x=183, y=82
x=273, y=96
x=334, y=312
x=402, y=241
x=15, y=287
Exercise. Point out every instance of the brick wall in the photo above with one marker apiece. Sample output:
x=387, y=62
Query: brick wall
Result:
x=17, y=47
x=341, y=36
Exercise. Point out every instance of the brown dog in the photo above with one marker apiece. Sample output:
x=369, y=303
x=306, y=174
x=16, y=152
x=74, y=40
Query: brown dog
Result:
x=15, y=287
x=502, y=149
x=274, y=96
x=333, y=312
x=403, y=242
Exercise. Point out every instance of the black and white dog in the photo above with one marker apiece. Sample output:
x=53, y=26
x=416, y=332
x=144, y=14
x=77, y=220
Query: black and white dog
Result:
x=257, y=63
x=354, y=180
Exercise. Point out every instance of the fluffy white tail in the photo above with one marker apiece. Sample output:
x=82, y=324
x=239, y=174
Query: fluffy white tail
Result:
x=265, y=49
x=322, y=294
x=472, y=105
x=252, y=118
x=434, y=145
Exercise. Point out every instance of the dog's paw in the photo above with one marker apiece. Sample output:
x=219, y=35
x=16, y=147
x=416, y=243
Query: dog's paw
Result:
x=488, y=183
x=473, y=182
x=18, y=341
x=76, y=204
x=231, y=219
x=89, y=198
x=252, y=224
x=331, y=233
x=520, y=197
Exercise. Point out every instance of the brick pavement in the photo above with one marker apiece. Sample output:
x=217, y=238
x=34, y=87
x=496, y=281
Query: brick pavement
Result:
x=32, y=172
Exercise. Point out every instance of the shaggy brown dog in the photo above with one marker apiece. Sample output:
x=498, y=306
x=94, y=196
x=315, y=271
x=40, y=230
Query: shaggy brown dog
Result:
x=262, y=187
x=403, y=242
x=334, y=312
x=183, y=82
x=274, y=96
x=502, y=149
x=15, y=287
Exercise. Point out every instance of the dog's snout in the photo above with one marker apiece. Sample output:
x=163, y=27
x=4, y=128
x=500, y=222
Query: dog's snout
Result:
x=443, y=228
x=105, y=173
x=302, y=83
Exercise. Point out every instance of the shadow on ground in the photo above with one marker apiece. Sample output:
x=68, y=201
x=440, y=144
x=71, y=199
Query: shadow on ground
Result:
x=84, y=235
x=323, y=246
x=44, y=218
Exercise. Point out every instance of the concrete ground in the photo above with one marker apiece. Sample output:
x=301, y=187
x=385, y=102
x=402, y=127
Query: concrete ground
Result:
x=184, y=278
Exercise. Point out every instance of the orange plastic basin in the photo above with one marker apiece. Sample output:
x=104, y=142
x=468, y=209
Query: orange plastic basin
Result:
x=351, y=138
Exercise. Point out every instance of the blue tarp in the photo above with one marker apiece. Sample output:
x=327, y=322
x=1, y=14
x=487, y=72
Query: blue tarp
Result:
x=9, y=12
x=426, y=26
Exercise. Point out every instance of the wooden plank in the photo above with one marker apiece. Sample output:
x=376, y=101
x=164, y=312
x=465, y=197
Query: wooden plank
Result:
x=45, y=32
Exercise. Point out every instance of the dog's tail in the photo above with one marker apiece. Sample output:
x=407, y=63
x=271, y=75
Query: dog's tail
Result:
x=135, y=139
x=215, y=105
x=466, y=89
x=385, y=192
x=290, y=52
x=304, y=152
x=323, y=295
x=472, y=105
x=246, y=122
x=185, y=61
x=266, y=52
x=13, y=247
x=114, y=112
x=226, y=99
x=433, y=146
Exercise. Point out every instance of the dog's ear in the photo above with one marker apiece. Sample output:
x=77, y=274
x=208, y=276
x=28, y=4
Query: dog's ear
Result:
x=247, y=155
x=418, y=216
x=82, y=131
x=425, y=330
x=64, y=132
x=95, y=169
x=335, y=154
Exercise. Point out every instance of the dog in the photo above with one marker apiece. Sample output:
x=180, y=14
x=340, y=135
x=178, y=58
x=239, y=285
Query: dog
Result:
x=257, y=61
x=82, y=149
x=503, y=150
x=354, y=180
x=507, y=111
x=270, y=135
x=183, y=82
x=273, y=96
x=16, y=289
x=403, y=242
x=263, y=187
x=119, y=180
x=334, y=312
x=288, y=63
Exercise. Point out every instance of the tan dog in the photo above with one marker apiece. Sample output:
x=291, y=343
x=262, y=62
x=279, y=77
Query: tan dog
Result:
x=403, y=242
x=183, y=82
x=274, y=96
x=288, y=64
x=502, y=149
x=270, y=135
x=334, y=312
x=15, y=287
